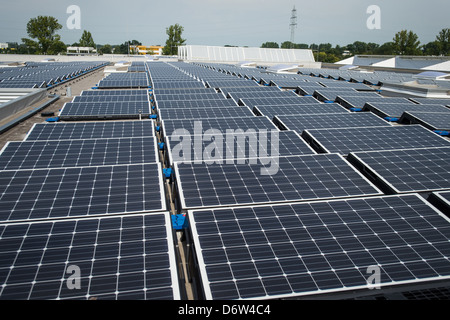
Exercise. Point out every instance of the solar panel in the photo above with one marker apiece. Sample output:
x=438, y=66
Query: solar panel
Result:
x=230, y=83
x=315, y=108
x=270, y=94
x=279, y=179
x=396, y=110
x=345, y=85
x=287, y=83
x=430, y=120
x=91, y=130
x=178, y=84
x=265, y=89
x=204, y=113
x=252, y=144
x=81, y=191
x=307, y=89
x=251, y=102
x=444, y=102
x=360, y=101
x=193, y=96
x=336, y=120
x=316, y=248
x=125, y=83
x=131, y=92
x=76, y=153
x=110, y=98
x=122, y=257
x=200, y=126
x=330, y=94
x=345, y=140
x=100, y=110
x=180, y=104
x=407, y=170
x=184, y=91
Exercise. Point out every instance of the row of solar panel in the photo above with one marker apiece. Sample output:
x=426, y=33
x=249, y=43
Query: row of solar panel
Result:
x=103, y=183
x=249, y=246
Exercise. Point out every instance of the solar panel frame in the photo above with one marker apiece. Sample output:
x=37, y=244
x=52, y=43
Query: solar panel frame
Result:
x=313, y=259
x=395, y=178
x=356, y=139
x=120, y=257
x=218, y=182
x=38, y=194
x=17, y=155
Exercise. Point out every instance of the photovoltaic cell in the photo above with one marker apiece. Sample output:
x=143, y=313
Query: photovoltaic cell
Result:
x=122, y=257
x=308, y=249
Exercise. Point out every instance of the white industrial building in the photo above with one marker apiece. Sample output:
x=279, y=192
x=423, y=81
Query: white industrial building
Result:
x=268, y=56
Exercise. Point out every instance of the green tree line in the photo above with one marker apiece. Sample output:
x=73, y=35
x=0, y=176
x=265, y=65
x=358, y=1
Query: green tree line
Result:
x=404, y=43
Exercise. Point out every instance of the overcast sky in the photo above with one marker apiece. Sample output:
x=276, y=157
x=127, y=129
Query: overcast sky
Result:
x=233, y=22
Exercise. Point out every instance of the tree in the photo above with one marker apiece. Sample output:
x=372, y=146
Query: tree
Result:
x=57, y=46
x=443, y=41
x=43, y=29
x=106, y=49
x=406, y=43
x=123, y=48
x=174, y=39
x=386, y=49
x=270, y=45
x=431, y=49
x=86, y=40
